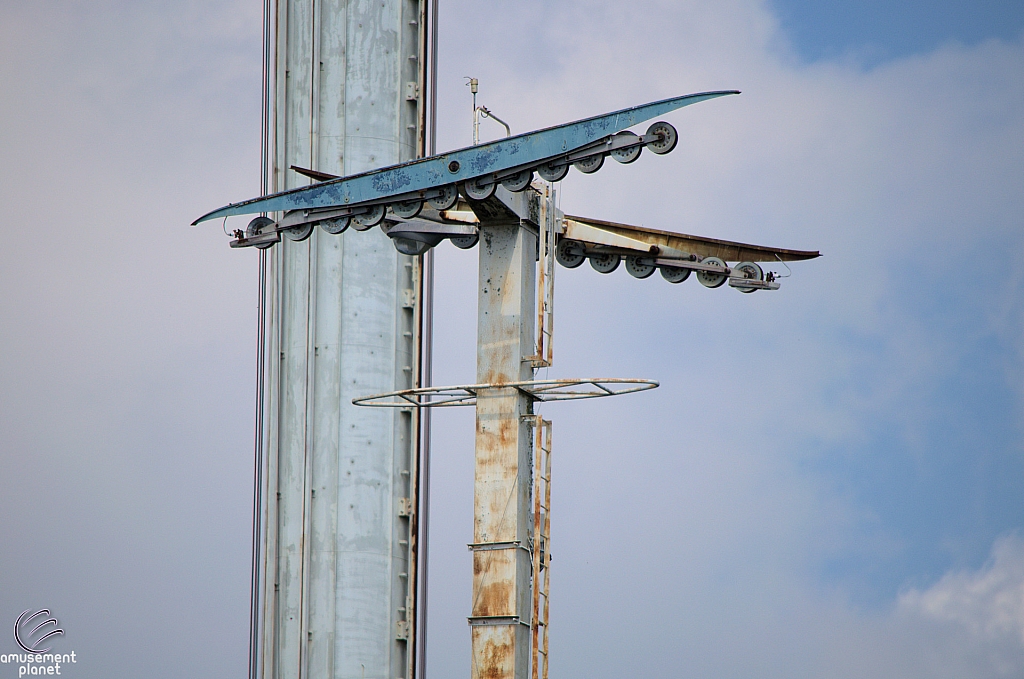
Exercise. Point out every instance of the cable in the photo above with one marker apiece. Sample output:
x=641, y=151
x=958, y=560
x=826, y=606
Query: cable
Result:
x=255, y=619
x=427, y=338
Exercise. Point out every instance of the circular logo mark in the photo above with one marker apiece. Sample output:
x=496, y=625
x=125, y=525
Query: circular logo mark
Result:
x=31, y=640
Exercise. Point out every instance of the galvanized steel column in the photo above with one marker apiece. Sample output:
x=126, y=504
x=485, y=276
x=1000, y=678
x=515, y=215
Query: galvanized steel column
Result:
x=341, y=321
x=501, y=560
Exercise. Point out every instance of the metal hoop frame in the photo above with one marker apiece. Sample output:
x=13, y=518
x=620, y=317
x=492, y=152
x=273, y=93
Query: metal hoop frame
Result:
x=538, y=390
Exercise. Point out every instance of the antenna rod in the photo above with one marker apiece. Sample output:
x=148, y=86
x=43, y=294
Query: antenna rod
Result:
x=474, y=87
x=487, y=114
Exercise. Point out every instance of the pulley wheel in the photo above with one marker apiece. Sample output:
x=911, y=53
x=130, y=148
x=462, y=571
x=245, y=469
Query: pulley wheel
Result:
x=669, y=138
x=478, y=190
x=639, y=267
x=256, y=227
x=569, y=253
x=627, y=155
x=369, y=219
x=335, y=225
x=709, y=279
x=605, y=263
x=751, y=271
x=519, y=181
x=590, y=164
x=299, y=233
x=447, y=199
x=674, y=274
x=465, y=242
x=553, y=173
x=407, y=209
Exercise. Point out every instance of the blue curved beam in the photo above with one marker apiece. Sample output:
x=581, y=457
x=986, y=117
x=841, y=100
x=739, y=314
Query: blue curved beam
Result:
x=531, y=148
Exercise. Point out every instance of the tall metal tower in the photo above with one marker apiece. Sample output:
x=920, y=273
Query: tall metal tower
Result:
x=486, y=196
x=334, y=572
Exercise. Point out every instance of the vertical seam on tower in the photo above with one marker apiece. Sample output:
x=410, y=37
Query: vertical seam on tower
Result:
x=309, y=435
x=308, y=441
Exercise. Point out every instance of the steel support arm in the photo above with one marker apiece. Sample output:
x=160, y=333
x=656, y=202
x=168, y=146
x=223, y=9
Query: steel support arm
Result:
x=513, y=154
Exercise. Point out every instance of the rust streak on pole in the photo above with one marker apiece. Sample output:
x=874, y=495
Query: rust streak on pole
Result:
x=506, y=340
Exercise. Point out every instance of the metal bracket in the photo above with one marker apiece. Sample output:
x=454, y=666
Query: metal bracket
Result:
x=589, y=234
x=491, y=546
x=739, y=282
x=611, y=143
x=737, y=279
x=693, y=265
x=265, y=239
x=418, y=227
x=483, y=620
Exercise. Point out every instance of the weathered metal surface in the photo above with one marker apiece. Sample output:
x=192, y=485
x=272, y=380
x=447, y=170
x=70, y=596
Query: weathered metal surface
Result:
x=340, y=319
x=527, y=149
x=501, y=578
x=578, y=230
x=506, y=206
x=622, y=235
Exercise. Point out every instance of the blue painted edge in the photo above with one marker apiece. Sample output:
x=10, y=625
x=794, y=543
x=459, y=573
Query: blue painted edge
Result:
x=457, y=166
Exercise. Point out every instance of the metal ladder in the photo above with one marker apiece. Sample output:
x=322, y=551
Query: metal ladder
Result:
x=541, y=545
x=548, y=228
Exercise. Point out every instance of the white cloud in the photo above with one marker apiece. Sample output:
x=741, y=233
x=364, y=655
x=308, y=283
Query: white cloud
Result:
x=987, y=604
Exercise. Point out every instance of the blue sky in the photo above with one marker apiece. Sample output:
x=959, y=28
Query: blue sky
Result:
x=942, y=488
x=875, y=31
x=947, y=496
x=863, y=519
x=935, y=488
x=892, y=441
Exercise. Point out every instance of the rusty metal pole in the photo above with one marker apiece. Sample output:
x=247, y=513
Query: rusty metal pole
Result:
x=500, y=621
